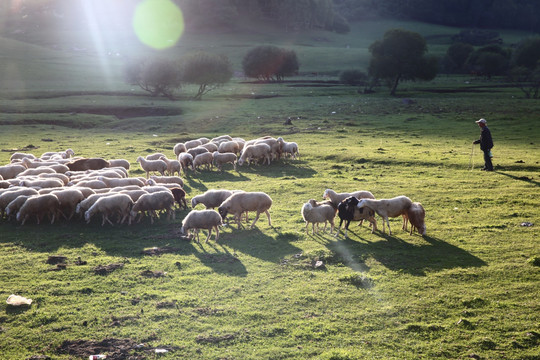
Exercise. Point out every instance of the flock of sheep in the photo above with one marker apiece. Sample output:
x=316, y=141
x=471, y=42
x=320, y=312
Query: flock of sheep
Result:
x=58, y=185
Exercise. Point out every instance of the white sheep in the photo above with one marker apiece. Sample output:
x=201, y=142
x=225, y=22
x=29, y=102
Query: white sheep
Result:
x=336, y=198
x=192, y=144
x=92, y=184
x=219, y=159
x=121, y=182
x=202, y=219
x=114, y=204
x=179, y=148
x=18, y=156
x=11, y=171
x=212, y=198
x=152, y=202
x=36, y=171
x=221, y=138
x=87, y=203
x=255, y=152
x=204, y=140
x=319, y=212
x=39, y=206
x=119, y=163
x=152, y=166
x=229, y=147
x=197, y=151
x=416, y=216
x=186, y=161
x=241, y=202
x=61, y=177
x=173, y=166
x=241, y=142
x=11, y=194
x=386, y=208
x=177, y=180
x=275, y=146
x=290, y=148
x=204, y=159
x=211, y=147
x=15, y=205
x=154, y=156
x=69, y=199
x=42, y=183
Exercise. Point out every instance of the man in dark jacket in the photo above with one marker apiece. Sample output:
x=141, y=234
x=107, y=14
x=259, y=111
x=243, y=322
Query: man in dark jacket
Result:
x=486, y=143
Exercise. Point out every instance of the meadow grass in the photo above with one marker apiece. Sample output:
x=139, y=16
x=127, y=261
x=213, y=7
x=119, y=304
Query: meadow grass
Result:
x=469, y=288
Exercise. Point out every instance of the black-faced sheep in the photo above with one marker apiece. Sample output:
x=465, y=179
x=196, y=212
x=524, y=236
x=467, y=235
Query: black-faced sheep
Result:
x=349, y=211
x=179, y=195
x=241, y=202
x=386, y=208
x=201, y=219
x=319, y=212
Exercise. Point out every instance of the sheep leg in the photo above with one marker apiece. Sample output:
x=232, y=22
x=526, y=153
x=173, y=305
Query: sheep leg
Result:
x=339, y=227
x=209, y=233
x=331, y=226
x=217, y=232
x=256, y=218
x=268, y=216
x=347, y=222
x=307, y=224
x=405, y=222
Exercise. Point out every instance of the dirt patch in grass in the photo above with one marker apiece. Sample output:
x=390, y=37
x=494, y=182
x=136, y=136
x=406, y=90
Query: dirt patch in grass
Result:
x=106, y=269
x=115, y=349
x=155, y=251
x=211, y=339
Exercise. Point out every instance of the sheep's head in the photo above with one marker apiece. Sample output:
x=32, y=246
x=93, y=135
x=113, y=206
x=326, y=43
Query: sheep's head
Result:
x=223, y=211
x=361, y=204
x=422, y=229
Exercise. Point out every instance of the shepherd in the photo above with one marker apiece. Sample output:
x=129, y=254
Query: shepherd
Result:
x=486, y=143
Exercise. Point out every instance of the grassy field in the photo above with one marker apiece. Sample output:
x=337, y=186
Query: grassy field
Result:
x=469, y=289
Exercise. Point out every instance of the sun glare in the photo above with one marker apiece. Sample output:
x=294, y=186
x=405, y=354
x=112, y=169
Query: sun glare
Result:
x=158, y=23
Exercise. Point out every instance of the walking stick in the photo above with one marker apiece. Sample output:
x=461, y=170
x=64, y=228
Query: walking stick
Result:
x=471, y=162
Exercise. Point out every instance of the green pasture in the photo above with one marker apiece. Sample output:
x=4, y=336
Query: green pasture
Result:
x=469, y=289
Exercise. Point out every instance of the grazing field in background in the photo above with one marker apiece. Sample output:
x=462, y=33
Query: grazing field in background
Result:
x=469, y=289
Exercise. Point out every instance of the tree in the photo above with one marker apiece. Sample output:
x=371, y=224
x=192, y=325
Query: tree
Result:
x=457, y=55
x=206, y=70
x=400, y=56
x=353, y=77
x=489, y=61
x=270, y=63
x=156, y=76
x=525, y=67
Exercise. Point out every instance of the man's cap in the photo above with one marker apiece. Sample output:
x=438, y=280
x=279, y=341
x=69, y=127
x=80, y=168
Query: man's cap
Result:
x=481, y=121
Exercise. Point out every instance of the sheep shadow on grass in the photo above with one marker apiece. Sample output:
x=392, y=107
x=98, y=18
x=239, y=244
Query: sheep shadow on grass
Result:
x=399, y=255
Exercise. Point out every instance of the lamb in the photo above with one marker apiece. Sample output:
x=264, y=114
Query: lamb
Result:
x=114, y=204
x=258, y=151
x=119, y=163
x=69, y=199
x=219, y=159
x=212, y=198
x=318, y=212
x=386, y=208
x=179, y=195
x=159, y=166
x=173, y=166
x=39, y=206
x=416, y=215
x=88, y=164
x=161, y=200
x=192, y=144
x=290, y=148
x=240, y=202
x=11, y=171
x=121, y=182
x=229, y=147
x=348, y=211
x=168, y=180
x=204, y=159
x=179, y=148
x=197, y=151
x=202, y=219
x=186, y=161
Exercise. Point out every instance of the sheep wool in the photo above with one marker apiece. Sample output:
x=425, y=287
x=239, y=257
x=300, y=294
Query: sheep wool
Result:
x=201, y=219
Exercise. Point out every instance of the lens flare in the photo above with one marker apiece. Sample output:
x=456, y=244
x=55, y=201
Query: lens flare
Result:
x=158, y=23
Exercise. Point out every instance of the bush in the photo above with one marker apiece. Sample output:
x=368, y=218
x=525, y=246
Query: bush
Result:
x=206, y=70
x=270, y=63
x=353, y=77
x=156, y=76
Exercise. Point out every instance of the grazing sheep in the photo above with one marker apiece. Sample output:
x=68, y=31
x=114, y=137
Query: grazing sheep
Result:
x=39, y=206
x=114, y=204
x=204, y=140
x=336, y=198
x=133, y=194
x=36, y=171
x=416, y=215
x=197, y=151
x=204, y=159
x=241, y=142
x=4, y=184
x=221, y=138
x=150, y=203
x=290, y=148
x=275, y=146
x=11, y=194
x=159, y=166
x=154, y=156
x=18, y=156
x=255, y=152
x=87, y=203
x=348, y=211
x=179, y=148
x=219, y=159
x=201, y=219
x=173, y=166
x=15, y=205
x=69, y=199
x=88, y=164
x=241, y=202
x=168, y=180
x=186, y=161
x=192, y=144
x=119, y=163
x=11, y=171
x=42, y=183
x=179, y=195
x=121, y=182
x=229, y=147
x=61, y=177
x=319, y=212
x=92, y=184
x=211, y=147
x=212, y=198
x=386, y=208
